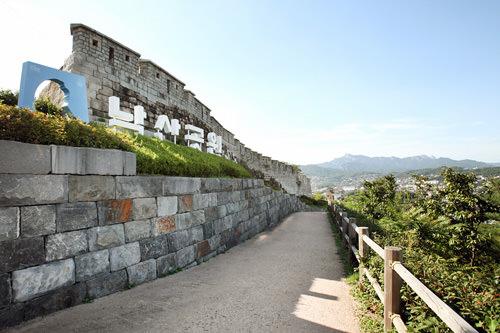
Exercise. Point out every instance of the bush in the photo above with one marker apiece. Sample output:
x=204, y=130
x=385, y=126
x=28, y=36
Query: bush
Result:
x=45, y=105
x=8, y=97
x=154, y=156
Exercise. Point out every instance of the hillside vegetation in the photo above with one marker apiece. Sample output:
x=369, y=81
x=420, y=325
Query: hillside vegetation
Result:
x=450, y=240
x=154, y=156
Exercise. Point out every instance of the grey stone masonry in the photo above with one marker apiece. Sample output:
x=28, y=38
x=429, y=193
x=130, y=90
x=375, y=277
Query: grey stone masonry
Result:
x=24, y=158
x=142, y=272
x=20, y=157
x=9, y=223
x=20, y=190
x=67, y=244
x=31, y=282
x=38, y=220
x=90, y=236
x=91, y=188
x=106, y=236
x=124, y=256
x=74, y=216
x=90, y=264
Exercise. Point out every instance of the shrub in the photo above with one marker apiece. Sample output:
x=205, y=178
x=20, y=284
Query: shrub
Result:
x=8, y=97
x=45, y=105
x=154, y=156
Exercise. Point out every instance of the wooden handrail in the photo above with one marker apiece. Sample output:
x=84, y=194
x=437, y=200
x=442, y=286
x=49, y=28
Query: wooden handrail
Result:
x=375, y=247
x=450, y=317
x=395, y=270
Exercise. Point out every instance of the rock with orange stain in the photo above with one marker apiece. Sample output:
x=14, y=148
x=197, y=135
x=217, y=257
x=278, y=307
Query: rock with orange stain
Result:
x=114, y=211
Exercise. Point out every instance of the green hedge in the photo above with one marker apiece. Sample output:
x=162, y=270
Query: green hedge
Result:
x=154, y=156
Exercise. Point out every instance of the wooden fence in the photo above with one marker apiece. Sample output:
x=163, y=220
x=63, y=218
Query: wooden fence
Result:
x=394, y=274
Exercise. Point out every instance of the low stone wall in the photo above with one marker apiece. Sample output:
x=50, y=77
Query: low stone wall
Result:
x=65, y=239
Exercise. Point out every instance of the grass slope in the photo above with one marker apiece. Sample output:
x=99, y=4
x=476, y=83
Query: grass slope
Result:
x=154, y=156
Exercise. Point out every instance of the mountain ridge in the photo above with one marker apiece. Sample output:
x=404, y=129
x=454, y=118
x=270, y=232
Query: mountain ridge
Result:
x=381, y=164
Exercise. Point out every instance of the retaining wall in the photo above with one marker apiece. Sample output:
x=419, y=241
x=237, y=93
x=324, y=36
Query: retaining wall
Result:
x=65, y=239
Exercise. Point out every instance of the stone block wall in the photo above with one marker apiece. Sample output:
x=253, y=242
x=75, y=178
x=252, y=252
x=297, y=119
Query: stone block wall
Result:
x=113, y=69
x=65, y=239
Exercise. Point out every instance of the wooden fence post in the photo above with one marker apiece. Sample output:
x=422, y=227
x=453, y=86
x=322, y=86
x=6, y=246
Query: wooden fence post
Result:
x=363, y=250
x=392, y=286
x=351, y=233
x=343, y=219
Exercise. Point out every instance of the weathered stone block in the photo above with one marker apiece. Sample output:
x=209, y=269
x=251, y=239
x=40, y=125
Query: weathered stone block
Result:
x=152, y=248
x=166, y=264
x=144, y=208
x=11, y=315
x=103, y=161
x=124, y=256
x=202, y=249
x=21, y=253
x=34, y=281
x=188, y=220
x=38, y=220
x=137, y=230
x=214, y=242
x=167, y=206
x=107, y=284
x=227, y=184
x=186, y=256
x=138, y=187
x=185, y=203
x=67, y=160
x=142, y=272
x=32, y=189
x=130, y=164
x=90, y=264
x=179, y=239
x=210, y=185
x=64, y=245
x=106, y=236
x=9, y=222
x=163, y=225
x=74, y=216
x=57, y=300
x=181, y=185
x=114, y=211
x=91, y=188
x=201, y=201
x=5, y=289
x=18, y=157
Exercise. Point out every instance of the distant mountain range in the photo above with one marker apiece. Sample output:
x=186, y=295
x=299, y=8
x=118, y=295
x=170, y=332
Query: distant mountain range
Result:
x=351, y=170
x=361, y=163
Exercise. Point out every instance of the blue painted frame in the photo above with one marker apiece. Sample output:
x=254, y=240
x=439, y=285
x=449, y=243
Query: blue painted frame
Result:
x=73, y=86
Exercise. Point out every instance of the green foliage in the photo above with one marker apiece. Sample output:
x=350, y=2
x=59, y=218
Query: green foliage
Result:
x=153, y=155
x=45, y=105
x=447, y=241
x=379, y=196
x=8, y=97
x=317, y=200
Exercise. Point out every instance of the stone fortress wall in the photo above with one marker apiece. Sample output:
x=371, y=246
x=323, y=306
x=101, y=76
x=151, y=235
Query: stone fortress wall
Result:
x=73, y=229
x=112, y=69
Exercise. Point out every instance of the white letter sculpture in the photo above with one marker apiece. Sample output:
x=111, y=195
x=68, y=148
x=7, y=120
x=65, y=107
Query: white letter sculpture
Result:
x=214, y=144
x=194, y=136
x=123, y=119
x=163, y=124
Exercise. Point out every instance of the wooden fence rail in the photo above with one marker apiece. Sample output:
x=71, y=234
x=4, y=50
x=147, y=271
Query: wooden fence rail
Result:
x=394, y=275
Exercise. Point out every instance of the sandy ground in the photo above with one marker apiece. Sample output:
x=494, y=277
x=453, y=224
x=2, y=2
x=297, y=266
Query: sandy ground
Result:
x=284, y=280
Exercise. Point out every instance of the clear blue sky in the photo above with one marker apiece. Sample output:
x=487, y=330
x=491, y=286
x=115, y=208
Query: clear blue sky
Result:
x=304, y=81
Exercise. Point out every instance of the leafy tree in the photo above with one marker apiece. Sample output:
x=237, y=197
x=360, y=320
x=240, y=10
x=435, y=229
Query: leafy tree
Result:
x=379, y=196
x=463, y=208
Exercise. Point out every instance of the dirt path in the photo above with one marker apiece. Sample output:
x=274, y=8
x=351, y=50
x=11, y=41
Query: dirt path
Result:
x=285, y=280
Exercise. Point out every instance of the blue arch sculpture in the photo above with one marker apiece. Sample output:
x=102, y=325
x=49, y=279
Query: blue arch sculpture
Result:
x=73, y=86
